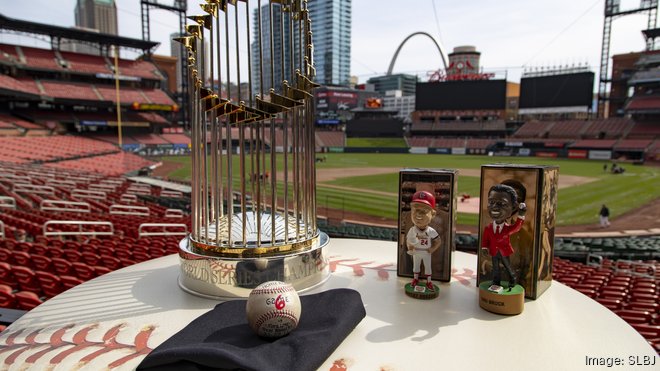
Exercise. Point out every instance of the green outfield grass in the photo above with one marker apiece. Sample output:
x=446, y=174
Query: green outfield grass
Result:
x=576, y=205
x=376, y=142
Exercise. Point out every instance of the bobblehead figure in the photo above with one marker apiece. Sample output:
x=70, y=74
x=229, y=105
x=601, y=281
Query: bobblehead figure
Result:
x=496, y=242
x=496, y=239
x=421, y=241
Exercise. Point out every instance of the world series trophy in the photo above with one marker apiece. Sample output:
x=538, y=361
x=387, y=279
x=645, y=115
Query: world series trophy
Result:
x=253, y=202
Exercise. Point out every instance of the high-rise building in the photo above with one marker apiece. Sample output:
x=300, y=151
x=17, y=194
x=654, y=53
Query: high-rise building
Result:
x=275, y=68
x=331, y=30
x=331, y=34
x=403, y=82
x=98, y=15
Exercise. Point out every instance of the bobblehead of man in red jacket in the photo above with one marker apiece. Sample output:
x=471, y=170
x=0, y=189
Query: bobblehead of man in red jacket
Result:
x=502, y=201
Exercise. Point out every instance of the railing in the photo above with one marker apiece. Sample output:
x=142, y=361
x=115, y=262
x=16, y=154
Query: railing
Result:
x=15, y=178
x=170, y=193
x=102, y=187
x=67, y=206
x=635, y=268
x=80, y=232
x=164, y=231
x=128, y=198
x=7, y=202
x=114, y=182
x=61, y=183
x=138, y=191
x=34, y=189
x=84, y=193
x=174, y=213
x=129, y=210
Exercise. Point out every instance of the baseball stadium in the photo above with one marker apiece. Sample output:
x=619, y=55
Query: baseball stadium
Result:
x=98, y=169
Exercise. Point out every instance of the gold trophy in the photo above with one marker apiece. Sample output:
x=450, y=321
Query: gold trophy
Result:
x=253, y=196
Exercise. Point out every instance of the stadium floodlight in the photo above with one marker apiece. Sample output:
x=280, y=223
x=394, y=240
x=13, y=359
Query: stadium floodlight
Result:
x=253, y=195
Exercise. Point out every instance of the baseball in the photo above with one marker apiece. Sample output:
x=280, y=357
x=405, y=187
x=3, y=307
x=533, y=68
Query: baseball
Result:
x=273, y=309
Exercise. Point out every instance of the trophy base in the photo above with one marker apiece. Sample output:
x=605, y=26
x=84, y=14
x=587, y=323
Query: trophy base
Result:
x=226, y=278
x=500, y=300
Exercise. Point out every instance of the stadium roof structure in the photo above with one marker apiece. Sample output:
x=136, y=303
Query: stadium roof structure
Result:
x=57, y=32
x=651, y=33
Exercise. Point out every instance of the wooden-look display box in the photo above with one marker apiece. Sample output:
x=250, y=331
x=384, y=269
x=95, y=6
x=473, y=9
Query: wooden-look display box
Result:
x=442, y=184
x=536, y=186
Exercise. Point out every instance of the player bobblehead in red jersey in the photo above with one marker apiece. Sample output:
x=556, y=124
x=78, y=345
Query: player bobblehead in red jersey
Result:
x=496, y=238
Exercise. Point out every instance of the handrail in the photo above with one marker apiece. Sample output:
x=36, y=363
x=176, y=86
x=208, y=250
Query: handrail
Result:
x=594, y=260
x=101, y=187
x=174, y=213
x=170, y=193
x=9, y=204
x=34, y=189
x=138, y=191
x=14, y=177
x=57, y=205
x=112, y=181
x=128, y=198
x=61, y=183
x=80, y=224
x=142, y=233
x=85, y=193
x=129, y=210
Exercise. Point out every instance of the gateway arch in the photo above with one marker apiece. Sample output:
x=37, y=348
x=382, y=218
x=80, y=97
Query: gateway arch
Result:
x=396, y=54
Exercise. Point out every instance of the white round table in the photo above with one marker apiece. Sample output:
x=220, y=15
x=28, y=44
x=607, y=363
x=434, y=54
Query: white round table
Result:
x=116, y=319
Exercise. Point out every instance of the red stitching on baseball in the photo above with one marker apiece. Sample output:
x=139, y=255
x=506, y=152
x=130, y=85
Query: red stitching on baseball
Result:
x=275, y=314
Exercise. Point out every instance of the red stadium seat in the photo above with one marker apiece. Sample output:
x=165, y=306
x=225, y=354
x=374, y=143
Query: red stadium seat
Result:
x=27, y=300
x=110, y=262
x=100, y=270
x=39, y=249
x=7, y=276
x=42, y=263
x=62, y=266
x=55, y=252
x=23, y=246
x=51, y=284
x=127, y=262
x=611, y=304
x=105, y=250
x=635, y=316
x=90, y=258
x=27, y=279
x=5, y=255
x=70, y=281
x=73, y=255
x=141, y=256
x=7, y=298
x=21, y=258
x=83, y=271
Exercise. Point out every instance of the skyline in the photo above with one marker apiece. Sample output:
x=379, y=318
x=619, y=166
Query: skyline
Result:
x=510, y=35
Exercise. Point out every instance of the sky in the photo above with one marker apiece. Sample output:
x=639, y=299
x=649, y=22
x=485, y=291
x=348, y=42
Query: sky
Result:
x=510, y=34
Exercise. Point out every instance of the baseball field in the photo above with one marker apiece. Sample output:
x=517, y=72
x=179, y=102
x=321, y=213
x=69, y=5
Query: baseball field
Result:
x=367, y=184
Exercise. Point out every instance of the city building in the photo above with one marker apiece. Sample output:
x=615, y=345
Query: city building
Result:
x=331, y=28
x=463, y=61
x=401, y=82
x=275, y=68
x=404, y=105
x=94, y=15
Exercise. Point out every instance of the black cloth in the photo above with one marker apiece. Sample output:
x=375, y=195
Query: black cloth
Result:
x=221, y=339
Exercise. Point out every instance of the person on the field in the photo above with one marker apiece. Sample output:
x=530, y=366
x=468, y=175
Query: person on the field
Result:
x=422, y=240
x=604, y=216
x=502, y=203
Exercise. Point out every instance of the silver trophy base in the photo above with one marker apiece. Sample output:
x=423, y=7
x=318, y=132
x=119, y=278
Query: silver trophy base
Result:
x=231, y=278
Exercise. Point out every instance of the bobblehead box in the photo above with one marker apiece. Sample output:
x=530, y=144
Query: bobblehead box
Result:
x=441, y=183
x=533, y=244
